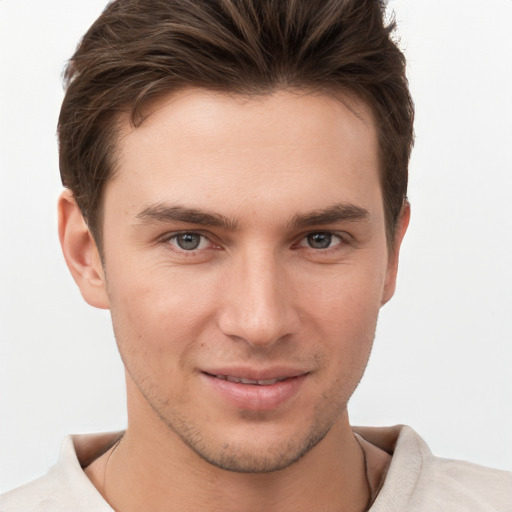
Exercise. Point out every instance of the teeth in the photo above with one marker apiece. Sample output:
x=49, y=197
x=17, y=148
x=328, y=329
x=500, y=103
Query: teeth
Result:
x=249, y=381
x=242, y=380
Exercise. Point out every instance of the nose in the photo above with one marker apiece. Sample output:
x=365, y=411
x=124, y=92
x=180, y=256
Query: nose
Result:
x=258, y=301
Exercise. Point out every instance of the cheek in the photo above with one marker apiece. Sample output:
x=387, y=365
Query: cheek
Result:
x=342, y=315
x=158, y=311
x=345, y=295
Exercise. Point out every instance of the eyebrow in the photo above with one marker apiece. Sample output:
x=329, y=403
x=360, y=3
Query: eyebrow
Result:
x=161, y=212
x=336, y=213
x=167, y=213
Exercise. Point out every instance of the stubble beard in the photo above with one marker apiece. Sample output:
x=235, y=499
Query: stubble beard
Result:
x=248, y=457
x=243, y=458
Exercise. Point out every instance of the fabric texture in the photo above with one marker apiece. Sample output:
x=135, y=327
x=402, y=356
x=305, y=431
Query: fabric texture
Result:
x=416, y=481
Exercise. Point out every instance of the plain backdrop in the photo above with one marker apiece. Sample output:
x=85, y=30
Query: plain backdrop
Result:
x=443, y=353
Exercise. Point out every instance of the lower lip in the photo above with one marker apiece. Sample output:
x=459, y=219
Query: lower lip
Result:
x=254, y=397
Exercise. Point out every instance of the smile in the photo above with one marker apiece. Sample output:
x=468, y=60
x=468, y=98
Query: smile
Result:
x=243, y=380
x=255, y=391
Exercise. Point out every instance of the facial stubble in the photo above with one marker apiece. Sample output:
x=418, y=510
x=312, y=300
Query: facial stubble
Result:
x=247, y=457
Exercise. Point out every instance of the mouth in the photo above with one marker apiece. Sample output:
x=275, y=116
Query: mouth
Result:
x=244, y=380
x=256, y=390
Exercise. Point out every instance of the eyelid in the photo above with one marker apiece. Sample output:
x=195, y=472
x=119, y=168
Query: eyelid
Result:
x=344, y=237
x=344, y=240
x=167, y=237
x=171, y=234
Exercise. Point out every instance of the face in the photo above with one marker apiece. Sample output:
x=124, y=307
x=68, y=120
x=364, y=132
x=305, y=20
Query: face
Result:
x=245, y=262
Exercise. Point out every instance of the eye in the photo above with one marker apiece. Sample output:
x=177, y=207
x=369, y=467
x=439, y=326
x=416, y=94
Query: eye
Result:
x=320, y=240
x=189, y=241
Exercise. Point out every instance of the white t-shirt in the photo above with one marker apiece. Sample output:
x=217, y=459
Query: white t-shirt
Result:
x=416, y=481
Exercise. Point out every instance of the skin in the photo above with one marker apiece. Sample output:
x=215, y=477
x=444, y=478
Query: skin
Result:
x=289, y=275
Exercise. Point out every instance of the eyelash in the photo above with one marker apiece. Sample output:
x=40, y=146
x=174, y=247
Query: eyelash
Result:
x=343, y=240
x=168, y=239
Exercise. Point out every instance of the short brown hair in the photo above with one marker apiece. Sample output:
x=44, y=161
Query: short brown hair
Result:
x=140, y=50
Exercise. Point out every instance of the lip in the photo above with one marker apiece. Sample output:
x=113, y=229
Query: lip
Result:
x=279, y=385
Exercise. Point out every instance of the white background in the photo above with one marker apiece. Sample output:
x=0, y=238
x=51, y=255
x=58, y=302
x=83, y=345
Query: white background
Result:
x=443, y=355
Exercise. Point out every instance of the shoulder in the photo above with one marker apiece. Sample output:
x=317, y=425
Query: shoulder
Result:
x=464, y=486
x=417, y=481
x=42, y=495
x=65, y=487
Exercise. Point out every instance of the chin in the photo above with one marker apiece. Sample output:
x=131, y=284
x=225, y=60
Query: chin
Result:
x=244, y=459
x=256, y=450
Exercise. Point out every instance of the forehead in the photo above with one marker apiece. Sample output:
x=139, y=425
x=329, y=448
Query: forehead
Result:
x=201, y=144
x=203, y=113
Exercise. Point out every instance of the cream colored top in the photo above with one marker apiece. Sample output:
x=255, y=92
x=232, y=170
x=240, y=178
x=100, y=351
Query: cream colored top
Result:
x=416, y=481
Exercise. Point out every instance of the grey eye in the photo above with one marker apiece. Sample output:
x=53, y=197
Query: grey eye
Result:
x=188, y=241
x=319, y=240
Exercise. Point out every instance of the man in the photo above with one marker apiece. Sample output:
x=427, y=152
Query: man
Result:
x=236, y=179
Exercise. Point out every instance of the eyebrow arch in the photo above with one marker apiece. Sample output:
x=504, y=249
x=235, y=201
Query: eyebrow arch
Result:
x=330, y=215
x=161, y=212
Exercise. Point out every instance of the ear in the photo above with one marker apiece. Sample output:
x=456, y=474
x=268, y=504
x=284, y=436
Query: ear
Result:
x=80, y=252
x=394, y=252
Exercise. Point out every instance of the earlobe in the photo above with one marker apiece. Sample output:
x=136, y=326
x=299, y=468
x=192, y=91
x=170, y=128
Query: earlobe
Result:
x=394, y=252
x=81, y=253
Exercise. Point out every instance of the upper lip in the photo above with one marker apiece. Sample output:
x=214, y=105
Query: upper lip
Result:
x=270, y=373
